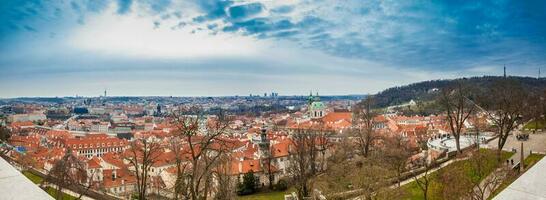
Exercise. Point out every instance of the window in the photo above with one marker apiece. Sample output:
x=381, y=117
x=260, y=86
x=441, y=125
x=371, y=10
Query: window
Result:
x=102, y=144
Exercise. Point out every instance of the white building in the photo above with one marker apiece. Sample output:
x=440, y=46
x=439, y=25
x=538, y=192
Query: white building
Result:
x=27, y=117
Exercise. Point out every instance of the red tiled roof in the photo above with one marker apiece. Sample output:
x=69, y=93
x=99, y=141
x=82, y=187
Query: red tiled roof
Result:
x=122, y=175
x=93, y=163
x=337, y=116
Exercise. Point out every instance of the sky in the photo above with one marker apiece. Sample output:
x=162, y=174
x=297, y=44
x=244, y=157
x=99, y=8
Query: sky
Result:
x=242, y=47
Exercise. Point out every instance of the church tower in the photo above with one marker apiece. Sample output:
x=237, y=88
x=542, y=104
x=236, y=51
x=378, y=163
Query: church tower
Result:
x=264, y=144
x=316, y=109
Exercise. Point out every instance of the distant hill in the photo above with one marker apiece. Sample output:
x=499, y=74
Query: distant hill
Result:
x=428, y=90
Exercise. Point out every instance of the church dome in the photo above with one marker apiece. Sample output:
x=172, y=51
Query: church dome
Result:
x=317, y=105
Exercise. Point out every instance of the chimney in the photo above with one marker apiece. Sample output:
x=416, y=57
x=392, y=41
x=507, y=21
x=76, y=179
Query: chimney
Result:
x=240, y=166
x=122, y=181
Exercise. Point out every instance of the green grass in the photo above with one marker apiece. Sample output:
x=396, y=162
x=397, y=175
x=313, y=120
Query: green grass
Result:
x=532, y=159
x=535, y=125
x=272, y=195
x=529, y=162
x=51, y=191
x=34, y=178
x=413, y=192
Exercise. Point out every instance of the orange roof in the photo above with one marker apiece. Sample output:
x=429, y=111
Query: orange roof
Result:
x=22, y=124
x=246, y=166
x=281, y=149
x=337, y=116
x=113, y=159
x=93, y=163
x=122, y=175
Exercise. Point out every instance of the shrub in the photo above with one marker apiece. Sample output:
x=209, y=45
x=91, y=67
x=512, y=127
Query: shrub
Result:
x=281, y=185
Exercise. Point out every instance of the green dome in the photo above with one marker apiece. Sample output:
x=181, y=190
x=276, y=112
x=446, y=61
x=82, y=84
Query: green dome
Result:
x=317, y=105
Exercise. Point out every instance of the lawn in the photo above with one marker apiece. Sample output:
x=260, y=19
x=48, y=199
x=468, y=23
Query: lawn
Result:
x=413, y=192
x=34, y=178
x=51, y=191
x=529, y=162
x=535, y=125
x=532, y=159
x=273, y=195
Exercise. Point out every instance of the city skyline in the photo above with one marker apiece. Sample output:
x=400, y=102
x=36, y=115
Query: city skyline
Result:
x=226, y=48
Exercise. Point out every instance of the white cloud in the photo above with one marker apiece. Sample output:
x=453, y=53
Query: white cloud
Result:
x=134, y=35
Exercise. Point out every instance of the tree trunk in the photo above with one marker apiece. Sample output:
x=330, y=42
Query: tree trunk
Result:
x=457, y=138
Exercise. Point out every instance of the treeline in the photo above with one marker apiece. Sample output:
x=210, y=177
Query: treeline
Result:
x=429, y=90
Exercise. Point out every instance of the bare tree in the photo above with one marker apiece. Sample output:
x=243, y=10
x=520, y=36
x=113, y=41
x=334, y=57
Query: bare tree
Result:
x=323, y=146
x=424, y=180
x=225, y=182
x=68, y=172
x=372, y=176
x=141, y=155
x=455, y=102
x=505, y=104
x=459, y=183
x=476, y=187
x=204, y=148
x=363, y=125
x=397, y=153
x=180, y=185
x=536, y=107
x=300, y=161
x=484, y=183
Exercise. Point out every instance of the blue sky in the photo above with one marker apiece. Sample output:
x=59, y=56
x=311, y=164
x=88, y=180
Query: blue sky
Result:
x=210, y=48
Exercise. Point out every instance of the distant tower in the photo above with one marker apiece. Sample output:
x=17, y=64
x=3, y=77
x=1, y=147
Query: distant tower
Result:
x=539, y=73
x=505, y=71
x=104, y=92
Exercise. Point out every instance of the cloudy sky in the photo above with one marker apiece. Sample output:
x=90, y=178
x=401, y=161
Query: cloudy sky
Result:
x=213, y=47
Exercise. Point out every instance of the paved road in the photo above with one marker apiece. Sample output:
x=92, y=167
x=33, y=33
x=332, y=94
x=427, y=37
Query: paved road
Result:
x=536, y=143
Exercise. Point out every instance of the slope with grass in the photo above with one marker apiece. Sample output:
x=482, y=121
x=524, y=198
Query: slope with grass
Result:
x=51, y=191
x=529, y=162
x=412, y=191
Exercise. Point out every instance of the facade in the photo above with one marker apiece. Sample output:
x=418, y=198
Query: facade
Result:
x=27, y=117
x=101, y=127
x=93, y=145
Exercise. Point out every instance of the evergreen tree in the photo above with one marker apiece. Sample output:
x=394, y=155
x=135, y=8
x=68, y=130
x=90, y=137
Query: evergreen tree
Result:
x=248, y=186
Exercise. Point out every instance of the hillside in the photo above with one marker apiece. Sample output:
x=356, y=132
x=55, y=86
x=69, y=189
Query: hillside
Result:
x=427, y=90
